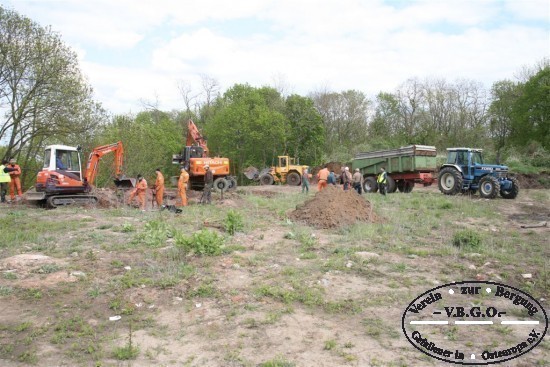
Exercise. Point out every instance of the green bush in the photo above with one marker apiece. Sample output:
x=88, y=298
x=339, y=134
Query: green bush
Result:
x=203, y=242
x=233, y=222
x=467, y=238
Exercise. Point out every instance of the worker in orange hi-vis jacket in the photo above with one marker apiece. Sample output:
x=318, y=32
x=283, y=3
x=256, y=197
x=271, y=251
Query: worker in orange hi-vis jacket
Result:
x=140, y=191
x=322, y=177
x=15, y=184
x=159, y=187
x=182, y=186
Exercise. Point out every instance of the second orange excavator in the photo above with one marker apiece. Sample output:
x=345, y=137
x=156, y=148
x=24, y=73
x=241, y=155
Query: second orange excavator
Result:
x=61, y=182
x=195, y=156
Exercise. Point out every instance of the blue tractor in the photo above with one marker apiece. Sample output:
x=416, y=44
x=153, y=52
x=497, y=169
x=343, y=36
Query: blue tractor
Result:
x=465, y=172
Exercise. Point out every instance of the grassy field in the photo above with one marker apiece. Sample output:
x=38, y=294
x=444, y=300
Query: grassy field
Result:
x=239, y=284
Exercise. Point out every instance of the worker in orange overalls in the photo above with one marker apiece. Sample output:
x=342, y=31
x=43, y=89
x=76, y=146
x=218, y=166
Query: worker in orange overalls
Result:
x=140, y=191
x=159, y=187
x=322, y=177
x=182, y=186
x=15, y=184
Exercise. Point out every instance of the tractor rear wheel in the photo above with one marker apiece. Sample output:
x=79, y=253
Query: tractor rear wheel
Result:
x=232, y=183
x=391, y=185
x=370, y=184
x=489, y=187
x=220, y=184
x=266, y=179
x=293, y=179
x=450, y=181
x=513, y=192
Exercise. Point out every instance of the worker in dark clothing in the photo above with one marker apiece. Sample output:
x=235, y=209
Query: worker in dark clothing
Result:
x=59, y=162
x=5, y=179
x=208, y=184
x=331, y=180
x=382, y=181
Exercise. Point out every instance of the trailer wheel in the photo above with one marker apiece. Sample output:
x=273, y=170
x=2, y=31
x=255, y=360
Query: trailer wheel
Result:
x=405, y=186
x=266, y=179
x=489, y=187
x=513, y=192
x=370, y=185
x=450, y=181
x=391, y=185
x=293, y=179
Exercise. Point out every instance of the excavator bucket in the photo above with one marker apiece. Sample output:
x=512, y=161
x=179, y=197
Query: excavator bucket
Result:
x=125, y=182
x=252, y=173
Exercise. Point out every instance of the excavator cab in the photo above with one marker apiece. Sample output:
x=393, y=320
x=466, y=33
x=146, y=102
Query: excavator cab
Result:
x=63, y=158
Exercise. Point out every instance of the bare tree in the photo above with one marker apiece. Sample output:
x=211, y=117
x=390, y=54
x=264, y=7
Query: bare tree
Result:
x=188, y=95
x=210, y=87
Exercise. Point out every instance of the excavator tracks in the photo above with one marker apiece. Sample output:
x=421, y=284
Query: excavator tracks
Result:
x=60, y=200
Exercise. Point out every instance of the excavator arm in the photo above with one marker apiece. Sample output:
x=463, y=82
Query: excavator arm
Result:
x=194, y=136
x=95, y=157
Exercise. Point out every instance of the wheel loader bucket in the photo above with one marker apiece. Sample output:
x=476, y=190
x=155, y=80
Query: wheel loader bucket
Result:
x=125, y=182
x=252, y=173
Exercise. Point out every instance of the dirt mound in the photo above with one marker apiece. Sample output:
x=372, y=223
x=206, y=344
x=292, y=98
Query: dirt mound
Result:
x=334, y=207
x=108, y=198
x=534, y=181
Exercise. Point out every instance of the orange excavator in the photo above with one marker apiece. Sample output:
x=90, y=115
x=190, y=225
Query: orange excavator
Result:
x=61, y=182
x=195, y=156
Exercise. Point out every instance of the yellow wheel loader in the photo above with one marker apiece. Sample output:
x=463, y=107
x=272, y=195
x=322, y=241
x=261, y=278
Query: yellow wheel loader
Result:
x=286, y=171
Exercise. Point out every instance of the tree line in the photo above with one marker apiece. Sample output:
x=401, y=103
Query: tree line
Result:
x=45, y=99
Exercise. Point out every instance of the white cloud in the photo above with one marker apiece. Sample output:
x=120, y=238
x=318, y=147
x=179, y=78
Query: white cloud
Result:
x=530, y=9
x=352, y=44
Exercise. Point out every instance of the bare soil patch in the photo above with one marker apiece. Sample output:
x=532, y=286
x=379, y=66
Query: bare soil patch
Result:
x=333, y=207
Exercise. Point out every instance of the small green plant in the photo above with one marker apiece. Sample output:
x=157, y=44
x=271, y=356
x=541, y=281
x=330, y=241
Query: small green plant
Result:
x=330, y=344
x=233, y=222
x=47, y=269
x=128, y=351
x=127, y=227
x=28, y=357
x=446, y=205
x=467, y=239
x=10, y=276
x=277, y=362
x=203, y=242
x=5, y=290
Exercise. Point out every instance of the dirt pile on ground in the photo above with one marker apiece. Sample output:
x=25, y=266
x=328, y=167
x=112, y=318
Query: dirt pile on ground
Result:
x=108, y=198
x=332, y=207
x=534, y=181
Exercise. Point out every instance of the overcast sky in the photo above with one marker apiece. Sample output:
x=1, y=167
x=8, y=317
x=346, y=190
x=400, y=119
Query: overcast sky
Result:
x=135, y=50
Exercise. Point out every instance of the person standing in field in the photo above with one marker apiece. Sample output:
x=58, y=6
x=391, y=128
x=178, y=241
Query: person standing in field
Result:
x=357, y=181
x=382, y=181
x=182, y=186
x=159, y=188
x=322, y=177
x=331, y=179
x=140, y=191
x=15, y=184
x=305, y=181
x=347, y=178
x=208, y=185
x=5, y=179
